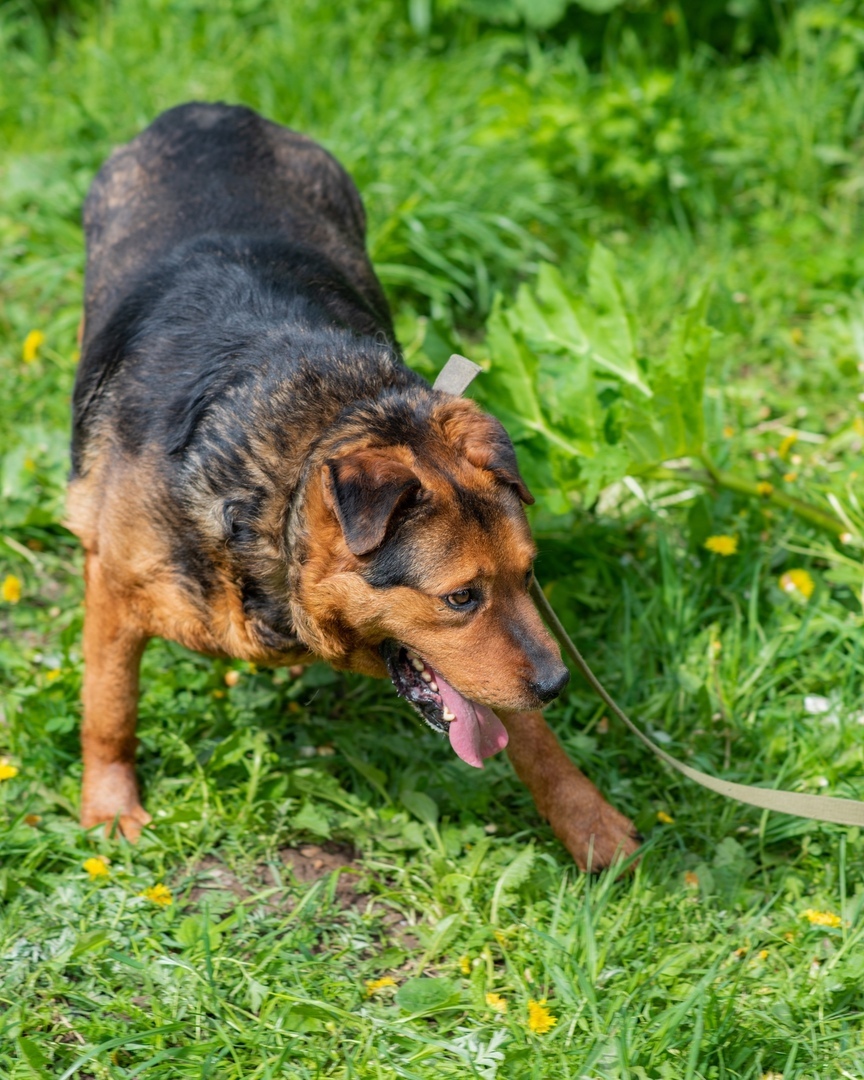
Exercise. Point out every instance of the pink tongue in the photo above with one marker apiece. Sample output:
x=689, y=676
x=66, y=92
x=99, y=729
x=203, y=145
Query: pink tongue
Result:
x=476, y=733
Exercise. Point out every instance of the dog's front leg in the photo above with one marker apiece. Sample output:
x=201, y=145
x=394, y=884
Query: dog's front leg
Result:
x=112, y=655
x=594, y=832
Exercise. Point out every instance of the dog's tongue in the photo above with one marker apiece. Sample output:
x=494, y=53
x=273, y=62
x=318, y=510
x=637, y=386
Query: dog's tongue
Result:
x=476, y=733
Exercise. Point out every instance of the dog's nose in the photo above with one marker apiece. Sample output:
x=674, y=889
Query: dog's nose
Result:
x=551, y=685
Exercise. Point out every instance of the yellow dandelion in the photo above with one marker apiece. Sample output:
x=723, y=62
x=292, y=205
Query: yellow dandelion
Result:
x=158, y=894
x=728, y=432
x=786, y=445
x=7, y=771
x=664, y=818
x=496, y=1002
x=231, y=678
x=465, y=965
x=722, y=545
x=764, y=489
x=501, y=939
x=691, y=880
x=53, y=674
x=540, y=1020
x=32, y=820
x=32, y=344
x=822, y=918
x=11, y=589
x=763, y=954
x=96, y=867
x=374, y=986
x=797, y=583
x=790, y=477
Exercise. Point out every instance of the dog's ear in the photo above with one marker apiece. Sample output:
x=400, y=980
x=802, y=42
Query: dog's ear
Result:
x=366, y=490
x=484, y=442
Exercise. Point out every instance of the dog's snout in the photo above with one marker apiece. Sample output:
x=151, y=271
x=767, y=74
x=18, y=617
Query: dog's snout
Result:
x=551, y=685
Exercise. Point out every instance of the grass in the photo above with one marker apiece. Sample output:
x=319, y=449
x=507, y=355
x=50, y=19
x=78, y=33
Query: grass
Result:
x=313, y=836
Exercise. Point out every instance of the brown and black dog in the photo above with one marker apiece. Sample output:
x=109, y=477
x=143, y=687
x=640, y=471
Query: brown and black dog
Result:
x=257, y=474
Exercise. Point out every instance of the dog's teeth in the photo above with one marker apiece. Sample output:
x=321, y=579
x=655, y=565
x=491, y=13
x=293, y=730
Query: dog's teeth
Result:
x=426, y=676
x=447, y=715
x=433, y=686
x=417, y=663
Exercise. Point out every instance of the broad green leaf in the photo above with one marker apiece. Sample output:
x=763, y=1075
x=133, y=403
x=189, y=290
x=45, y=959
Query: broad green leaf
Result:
x=312, y=818
x=426, y=995
x=512, y=877
x=421, y=806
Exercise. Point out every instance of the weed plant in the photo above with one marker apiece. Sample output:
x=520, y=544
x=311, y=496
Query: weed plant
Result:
x=346, y=898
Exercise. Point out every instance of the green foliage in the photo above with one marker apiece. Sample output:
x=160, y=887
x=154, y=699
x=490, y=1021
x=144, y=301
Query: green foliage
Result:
x=568, y=383
x=575, y=198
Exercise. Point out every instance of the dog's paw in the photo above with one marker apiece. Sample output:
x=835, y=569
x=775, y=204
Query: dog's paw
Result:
x=109, y=794
x=598, y=836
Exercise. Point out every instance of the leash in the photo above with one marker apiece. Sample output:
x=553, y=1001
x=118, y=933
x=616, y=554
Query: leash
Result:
x=459, y=372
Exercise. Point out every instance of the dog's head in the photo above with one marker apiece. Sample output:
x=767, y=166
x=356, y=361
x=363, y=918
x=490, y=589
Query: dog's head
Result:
x=419, y=557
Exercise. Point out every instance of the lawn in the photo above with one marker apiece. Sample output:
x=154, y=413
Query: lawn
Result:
x=327, y=890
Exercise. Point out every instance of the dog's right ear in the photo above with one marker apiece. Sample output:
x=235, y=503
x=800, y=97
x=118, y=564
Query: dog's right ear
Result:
x=366, y=490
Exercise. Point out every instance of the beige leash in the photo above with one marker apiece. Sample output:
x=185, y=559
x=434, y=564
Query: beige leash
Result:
x=815, y=807
x=455, y=373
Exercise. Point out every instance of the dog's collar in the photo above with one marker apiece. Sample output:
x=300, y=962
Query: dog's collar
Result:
x=456, y=375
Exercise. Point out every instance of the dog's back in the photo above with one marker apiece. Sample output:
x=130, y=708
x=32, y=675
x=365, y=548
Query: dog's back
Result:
x=217, y=170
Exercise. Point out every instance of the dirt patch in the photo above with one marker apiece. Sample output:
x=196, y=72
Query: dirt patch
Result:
x=312, y=861
x=214, y=876
x=306, y=864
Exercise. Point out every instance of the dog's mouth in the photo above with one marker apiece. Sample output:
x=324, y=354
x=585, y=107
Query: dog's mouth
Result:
x=475, y=732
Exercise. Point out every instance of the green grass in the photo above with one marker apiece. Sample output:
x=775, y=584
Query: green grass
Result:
x=480, y=150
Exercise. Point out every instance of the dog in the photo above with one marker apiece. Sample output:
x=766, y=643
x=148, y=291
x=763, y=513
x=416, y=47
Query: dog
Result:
x=257, y=474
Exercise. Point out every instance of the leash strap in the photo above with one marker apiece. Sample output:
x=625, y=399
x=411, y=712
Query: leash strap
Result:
x=456, y=375
x=815, y=807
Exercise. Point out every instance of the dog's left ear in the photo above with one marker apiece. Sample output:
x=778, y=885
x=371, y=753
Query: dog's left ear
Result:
x=366, y=490
x=484, y=442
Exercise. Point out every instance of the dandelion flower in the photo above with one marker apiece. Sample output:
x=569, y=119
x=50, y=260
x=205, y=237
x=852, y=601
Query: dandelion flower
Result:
x=691, y=880
x=797, y=583
x=822, y=918
x=496, y=1002
x=540, y=1020
x=465, y=965
x=158, y=894
x=96, y=867
x=722, y=545
x=53, y=674
x=664, y=818
x=373, y=986
x=764, y=488
x=11, y=589
x=32, y=343
x=728, y=432
x=786, y=445
x=7, y=771
x=231, y=678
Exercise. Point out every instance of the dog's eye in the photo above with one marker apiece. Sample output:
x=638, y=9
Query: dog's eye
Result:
x=461, y=599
